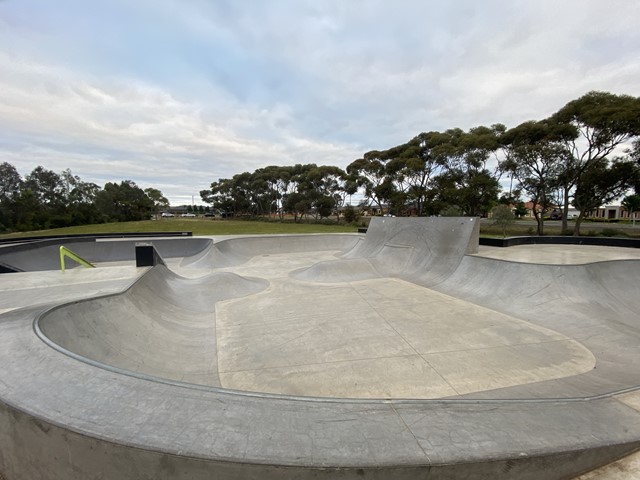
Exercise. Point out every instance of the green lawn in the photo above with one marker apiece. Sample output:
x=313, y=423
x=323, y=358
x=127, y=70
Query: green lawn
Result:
x=206, y=226
x=199, y=226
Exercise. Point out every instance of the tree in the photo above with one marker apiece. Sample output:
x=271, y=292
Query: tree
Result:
x=520, y=210
x=52, y=195
x=229, y=195
x=322, y=186
x=631, y=203
x=10, y=186
x=504, y=217
x=158, y=200
x=467, y=183
x=298, y=204
x=413, y=167
x=350, y=214
x=10, y=182
x=371, y=175
x=602, y=183
x=123, y=202
x=48, y=188
x=536, y=159
x=325, y=205
x=27, y=212
x=601, y=121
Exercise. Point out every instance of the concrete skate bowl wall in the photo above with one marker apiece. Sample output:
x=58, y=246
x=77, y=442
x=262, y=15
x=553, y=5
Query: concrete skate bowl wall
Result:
x=596, y=304
x=44, y=255
x=235, y=251
x=162, y=326
x=424, y=251
x=118, y=423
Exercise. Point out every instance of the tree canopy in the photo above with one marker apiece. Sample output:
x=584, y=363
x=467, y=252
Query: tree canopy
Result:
x=46, y=199
x=585, y=154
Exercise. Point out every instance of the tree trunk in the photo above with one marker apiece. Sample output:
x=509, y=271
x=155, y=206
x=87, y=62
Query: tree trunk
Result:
x=565, y=210
x=576, y=228
x=540, y=221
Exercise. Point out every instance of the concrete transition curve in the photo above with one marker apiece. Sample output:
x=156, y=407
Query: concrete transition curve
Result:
x=249, y=358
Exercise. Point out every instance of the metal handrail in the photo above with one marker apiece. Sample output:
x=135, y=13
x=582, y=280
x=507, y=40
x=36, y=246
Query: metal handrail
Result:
x=65, y=252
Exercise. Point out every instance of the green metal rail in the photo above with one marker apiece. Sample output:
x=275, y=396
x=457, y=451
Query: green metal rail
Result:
x=65, y=252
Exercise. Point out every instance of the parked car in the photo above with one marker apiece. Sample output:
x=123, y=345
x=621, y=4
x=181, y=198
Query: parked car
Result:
x=188, y=215
x=167, y=214
x=556, y=215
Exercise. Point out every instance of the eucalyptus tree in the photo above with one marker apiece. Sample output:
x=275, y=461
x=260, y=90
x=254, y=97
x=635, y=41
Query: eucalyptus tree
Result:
x=123, y=202
x=48, y=188
x=371, y=175
x=536, y=159
x=466, y=182
x=325, y=186
x=10, y=186
x=602, y=122
x=10, y=182
x=632, y=204
x=413, y=167
x=601, y=183
x=79, y=199
x=278, y=184
x=158, y=200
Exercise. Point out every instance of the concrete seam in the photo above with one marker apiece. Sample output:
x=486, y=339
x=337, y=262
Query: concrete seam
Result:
x=411, y=432
x=405, y=341
x=362, y=359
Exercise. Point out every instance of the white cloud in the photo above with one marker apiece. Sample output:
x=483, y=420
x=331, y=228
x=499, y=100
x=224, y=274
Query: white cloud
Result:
x=177, y=94
x=115, y=130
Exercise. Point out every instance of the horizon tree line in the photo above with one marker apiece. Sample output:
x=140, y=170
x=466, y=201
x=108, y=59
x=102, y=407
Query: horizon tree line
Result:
x=586, y=154
x=574, y=157
x=44, y=199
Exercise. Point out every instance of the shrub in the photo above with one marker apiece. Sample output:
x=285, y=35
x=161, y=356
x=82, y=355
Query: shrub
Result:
x=612, y=232
x=350, y=214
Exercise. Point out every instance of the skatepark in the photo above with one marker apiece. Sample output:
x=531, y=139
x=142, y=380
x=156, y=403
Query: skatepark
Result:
x=408, y=352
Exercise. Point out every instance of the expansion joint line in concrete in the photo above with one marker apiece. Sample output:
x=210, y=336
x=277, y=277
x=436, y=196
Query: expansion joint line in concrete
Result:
x=405, y=340
x=426, y=455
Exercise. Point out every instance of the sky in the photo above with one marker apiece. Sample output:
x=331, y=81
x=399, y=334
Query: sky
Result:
x=175, y=94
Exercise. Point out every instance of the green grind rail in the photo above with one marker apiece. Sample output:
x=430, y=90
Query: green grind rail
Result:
x=65, y=252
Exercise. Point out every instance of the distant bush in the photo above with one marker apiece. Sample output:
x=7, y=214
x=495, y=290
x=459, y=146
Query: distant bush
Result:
x=350, y=214
x=451, y=211
x=503, y=217
x=612, y=232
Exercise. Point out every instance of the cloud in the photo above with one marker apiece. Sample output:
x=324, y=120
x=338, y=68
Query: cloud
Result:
x=176, y=94
x=110, y=131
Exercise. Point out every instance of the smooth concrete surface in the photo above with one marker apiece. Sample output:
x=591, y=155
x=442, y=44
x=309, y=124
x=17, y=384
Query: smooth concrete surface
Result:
x=396, y=355
x=559, y=254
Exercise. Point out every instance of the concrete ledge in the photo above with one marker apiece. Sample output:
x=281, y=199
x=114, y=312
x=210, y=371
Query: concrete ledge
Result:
x=8, y=241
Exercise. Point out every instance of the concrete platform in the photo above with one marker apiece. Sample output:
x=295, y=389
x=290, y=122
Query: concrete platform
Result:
x=407, y=353
x=559, y=254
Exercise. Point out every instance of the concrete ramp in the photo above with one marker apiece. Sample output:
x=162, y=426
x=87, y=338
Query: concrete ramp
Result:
x=531, y=369
x=163, y=326
x=236, y=251
x=422, y=250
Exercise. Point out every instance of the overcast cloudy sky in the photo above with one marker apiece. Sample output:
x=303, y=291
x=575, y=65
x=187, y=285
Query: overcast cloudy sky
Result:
x=174, y=94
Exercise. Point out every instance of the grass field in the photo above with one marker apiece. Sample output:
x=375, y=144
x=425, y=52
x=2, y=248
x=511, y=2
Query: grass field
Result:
x=205, y=226
x=199, y=226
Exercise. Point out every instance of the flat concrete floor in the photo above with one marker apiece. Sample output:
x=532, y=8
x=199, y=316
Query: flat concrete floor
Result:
x=559, y=254
x=294, y=339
